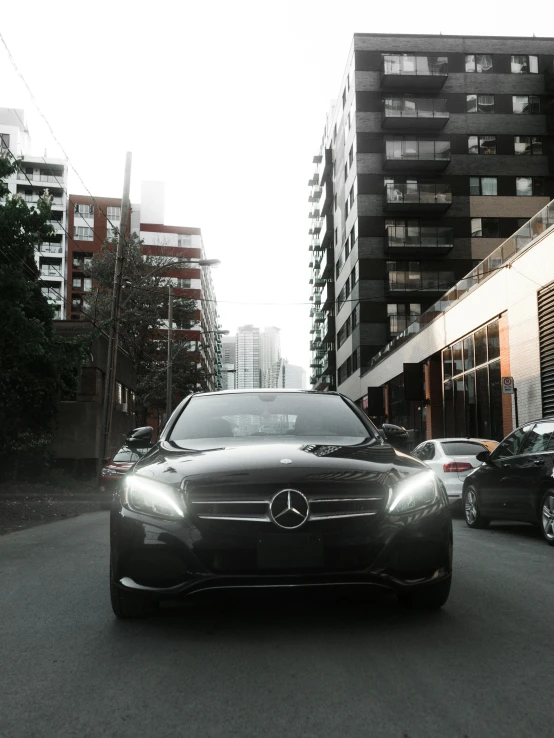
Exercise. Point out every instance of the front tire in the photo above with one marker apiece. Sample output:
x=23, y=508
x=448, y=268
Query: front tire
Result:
x=547, y=516
x=472, y=514
x=428, y=597
x=127, y=605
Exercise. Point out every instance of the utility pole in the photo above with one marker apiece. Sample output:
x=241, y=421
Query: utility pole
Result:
x=111, y=359
x=169, y=349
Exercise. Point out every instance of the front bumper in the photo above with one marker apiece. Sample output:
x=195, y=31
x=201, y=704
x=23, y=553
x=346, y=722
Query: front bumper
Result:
x=168, y=560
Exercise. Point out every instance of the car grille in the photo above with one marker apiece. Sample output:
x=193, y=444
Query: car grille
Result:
x=253, y=506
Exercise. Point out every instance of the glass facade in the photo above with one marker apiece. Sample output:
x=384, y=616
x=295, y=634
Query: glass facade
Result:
x=472, y=392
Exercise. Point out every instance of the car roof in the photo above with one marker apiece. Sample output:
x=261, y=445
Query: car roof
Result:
x=269, y=390
x=463, y=438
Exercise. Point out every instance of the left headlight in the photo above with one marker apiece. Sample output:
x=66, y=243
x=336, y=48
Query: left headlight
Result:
x=153, y=498
x=414, y=493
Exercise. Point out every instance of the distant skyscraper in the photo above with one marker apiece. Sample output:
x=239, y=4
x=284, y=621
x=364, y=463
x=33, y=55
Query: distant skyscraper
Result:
x=228, y=372
x=248, y=357
x=270, y=353
x=290, y=376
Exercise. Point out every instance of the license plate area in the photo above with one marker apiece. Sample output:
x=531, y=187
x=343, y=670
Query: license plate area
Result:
x=289, y=551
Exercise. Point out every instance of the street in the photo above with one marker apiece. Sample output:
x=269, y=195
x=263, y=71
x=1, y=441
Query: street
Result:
x=255, y=666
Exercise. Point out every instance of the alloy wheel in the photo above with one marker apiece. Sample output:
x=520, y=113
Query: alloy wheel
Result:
x=548, y=517
x=471, y=507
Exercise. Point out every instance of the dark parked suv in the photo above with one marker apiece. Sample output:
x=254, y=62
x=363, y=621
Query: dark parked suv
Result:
x=516, y=481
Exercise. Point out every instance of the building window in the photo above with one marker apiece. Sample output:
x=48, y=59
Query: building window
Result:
x=335, y=201
x=76, y=306
x=526, y=104
x=4, y=141
x=345, y=172
x=528, y=145
x=114, y=211
x=351, y=156
x=529, y=186
x=478, y=63
x=401, y=315
x=524, y=64
x=85, y=211
x=472, y=392
x=184, y=240
x=87, y=284
x=485, y=228
x=344, y=98
x=77, y=283
x=481, y=144
x=480, y=103
x=82, y=233
x=483, y=186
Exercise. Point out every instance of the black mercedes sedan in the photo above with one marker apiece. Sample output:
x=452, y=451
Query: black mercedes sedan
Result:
x=276, y=488
x=516, y=480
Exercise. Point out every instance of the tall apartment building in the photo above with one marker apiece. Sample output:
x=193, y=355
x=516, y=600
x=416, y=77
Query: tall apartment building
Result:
x=270, y=354
x=229, y=368
x=37, y=175
x=91, y=220
x=437, y=149
x=248, y=357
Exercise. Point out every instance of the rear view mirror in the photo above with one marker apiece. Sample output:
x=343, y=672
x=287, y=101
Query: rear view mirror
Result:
x=140, y=437
x=483, y=456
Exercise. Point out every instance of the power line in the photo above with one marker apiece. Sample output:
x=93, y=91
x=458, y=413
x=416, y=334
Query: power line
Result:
x=12, y=60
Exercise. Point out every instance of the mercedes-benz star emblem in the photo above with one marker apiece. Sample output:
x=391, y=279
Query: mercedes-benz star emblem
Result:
x=289, y=509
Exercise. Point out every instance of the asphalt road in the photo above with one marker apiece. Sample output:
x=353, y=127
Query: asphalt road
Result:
x=255, y=666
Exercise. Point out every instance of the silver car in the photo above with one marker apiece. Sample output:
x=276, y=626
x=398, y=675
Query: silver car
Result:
x=452, y=459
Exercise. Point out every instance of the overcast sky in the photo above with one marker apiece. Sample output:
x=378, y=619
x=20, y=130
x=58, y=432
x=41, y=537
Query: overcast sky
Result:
x=225, y=102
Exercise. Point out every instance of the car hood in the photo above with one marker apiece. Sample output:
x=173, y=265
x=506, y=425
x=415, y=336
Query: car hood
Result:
x=241, y=461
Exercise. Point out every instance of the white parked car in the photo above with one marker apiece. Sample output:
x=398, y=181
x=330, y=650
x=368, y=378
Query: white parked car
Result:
x=452, y=459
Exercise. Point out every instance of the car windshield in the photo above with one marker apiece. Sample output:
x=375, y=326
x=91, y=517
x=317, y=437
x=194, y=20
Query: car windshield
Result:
x=126, y=454
x=462, y=448
x=273, y=415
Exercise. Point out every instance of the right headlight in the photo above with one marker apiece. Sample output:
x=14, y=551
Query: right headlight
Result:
x=147, y=496
x=414, y=493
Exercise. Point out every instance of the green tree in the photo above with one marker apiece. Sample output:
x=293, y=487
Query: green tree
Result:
x=37, y=367
x=143, y=321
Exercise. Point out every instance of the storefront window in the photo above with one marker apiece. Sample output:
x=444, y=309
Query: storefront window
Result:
x=473, y=398
x=481, y=346
x=469, y=359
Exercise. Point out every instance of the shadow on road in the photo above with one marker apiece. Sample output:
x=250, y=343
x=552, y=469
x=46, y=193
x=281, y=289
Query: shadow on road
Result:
x=521, y=530
x=261, y=615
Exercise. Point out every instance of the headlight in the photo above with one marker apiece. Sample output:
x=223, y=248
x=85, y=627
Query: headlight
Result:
x=153, y=498
x=414, y=493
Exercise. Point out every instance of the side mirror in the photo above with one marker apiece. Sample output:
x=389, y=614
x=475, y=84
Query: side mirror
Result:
x=483, y=455
x=140, y=437
x=395, y=435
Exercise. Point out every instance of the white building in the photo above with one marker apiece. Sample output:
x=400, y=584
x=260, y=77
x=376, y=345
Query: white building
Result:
x=37, y=175
x=270, y=354
x=290, y=376
x=229, y=349
x=248, y=357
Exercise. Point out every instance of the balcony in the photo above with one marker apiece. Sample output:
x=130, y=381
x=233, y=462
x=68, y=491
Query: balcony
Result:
x=413, y=155
x=328, y=331
x=56, y=226
x=416, y=282
x=328, y=363
x=50, y=271
x=51, y=248
x=421, y=241
x=414, y=114
x=326, y=231
x=326, y=264
x=417, y=198
x=326, y=165
x=328, y=295
x=51, y=293
x=408, y=72
x=326, y=197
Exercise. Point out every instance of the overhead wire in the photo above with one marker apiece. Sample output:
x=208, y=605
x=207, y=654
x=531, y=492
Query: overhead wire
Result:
x=37, y=106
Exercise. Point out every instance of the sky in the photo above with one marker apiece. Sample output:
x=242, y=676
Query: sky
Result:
x=223, y=101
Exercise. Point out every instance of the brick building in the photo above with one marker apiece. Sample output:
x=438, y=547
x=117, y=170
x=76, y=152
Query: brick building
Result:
x=435, y=151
